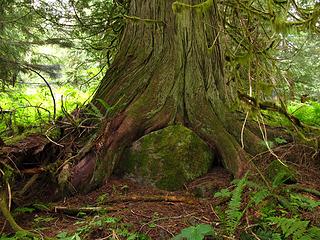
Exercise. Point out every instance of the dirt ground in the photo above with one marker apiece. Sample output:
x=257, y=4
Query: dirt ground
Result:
x=156, y=213
x=144, y=209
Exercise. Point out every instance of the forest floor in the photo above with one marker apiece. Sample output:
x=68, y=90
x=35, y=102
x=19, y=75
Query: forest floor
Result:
x=136, y=208
x=128, y=209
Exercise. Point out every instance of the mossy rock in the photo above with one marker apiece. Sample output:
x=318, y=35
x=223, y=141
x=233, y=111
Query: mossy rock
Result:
x=279, y=173
x=168, y=158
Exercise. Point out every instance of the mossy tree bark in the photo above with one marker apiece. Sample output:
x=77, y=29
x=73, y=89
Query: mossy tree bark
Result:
x=169, y=70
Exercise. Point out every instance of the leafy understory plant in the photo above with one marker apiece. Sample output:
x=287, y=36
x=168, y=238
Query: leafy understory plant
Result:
x=105, y=223
x=234, y=212
x=20, y=235
x=273, y=212
x=231, y=219
x=232, y=216
x=295, y=228
x=197, y=232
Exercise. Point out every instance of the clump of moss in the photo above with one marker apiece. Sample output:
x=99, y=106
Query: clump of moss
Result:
x=168, y=158
x=279, y=173
x=177, y=7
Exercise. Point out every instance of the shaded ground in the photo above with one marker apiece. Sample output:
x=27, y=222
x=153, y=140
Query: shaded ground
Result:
x=156, y=213
x=124, y=207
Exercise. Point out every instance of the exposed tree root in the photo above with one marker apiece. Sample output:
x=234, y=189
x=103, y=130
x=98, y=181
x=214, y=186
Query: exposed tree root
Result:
x=6, y=213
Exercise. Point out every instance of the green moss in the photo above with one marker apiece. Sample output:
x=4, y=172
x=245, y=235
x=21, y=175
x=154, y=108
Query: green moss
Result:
x=168, y=158
x=18, y=138
x=177, y=7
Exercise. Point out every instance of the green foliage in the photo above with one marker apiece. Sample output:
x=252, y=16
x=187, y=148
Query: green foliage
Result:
x=88, y=31
x=105, y=223
x=223, y=193
x=280, y=140
x=66, y=236
x=272, y=212
x=267, y=235
x=259, y=196
x=303, y=202
x=40, y=219
x=234, y=212
x=197, y=232
x=20, y=235
x=24, y=210
x=300, y=64
x=278, y=173
x=296, y=228
x=32, y=108
x=308, y=113
x=52, y=38
x=102, y=198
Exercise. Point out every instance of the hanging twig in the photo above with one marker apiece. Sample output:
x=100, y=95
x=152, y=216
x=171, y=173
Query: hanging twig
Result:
x=270, y=106
x=50, y=89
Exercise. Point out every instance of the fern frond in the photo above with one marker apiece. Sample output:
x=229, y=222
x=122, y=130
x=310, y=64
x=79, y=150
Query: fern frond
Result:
x=260, y=196
x=313, y=233
x=267, y=235
x=303, y=202
x=234, y=213
x=291, y=227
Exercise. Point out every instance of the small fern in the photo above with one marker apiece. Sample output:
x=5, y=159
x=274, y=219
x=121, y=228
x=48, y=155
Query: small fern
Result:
x=267, y=235
x=270, y=206
x=198, y=232
x=303, y=202
x=223, y=193
x=259, y=196
x=312, y=233
x=234, y=213
x=296, y=228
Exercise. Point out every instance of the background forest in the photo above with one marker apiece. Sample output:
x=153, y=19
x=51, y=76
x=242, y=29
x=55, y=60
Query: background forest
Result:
x=71, y=45
x=53, y=56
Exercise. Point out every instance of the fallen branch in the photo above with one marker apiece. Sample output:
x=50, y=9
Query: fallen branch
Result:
x=134, y=198
x=152, y=198
x=75, y=211
x=156, y=198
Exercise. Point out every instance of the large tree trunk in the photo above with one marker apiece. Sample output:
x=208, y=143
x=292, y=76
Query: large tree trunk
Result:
x=169, y=70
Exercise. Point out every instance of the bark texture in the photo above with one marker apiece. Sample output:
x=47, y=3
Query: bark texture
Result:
x=169, y=70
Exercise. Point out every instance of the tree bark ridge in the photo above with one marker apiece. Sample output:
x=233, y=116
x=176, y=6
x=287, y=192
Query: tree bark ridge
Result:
x=168, y=71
